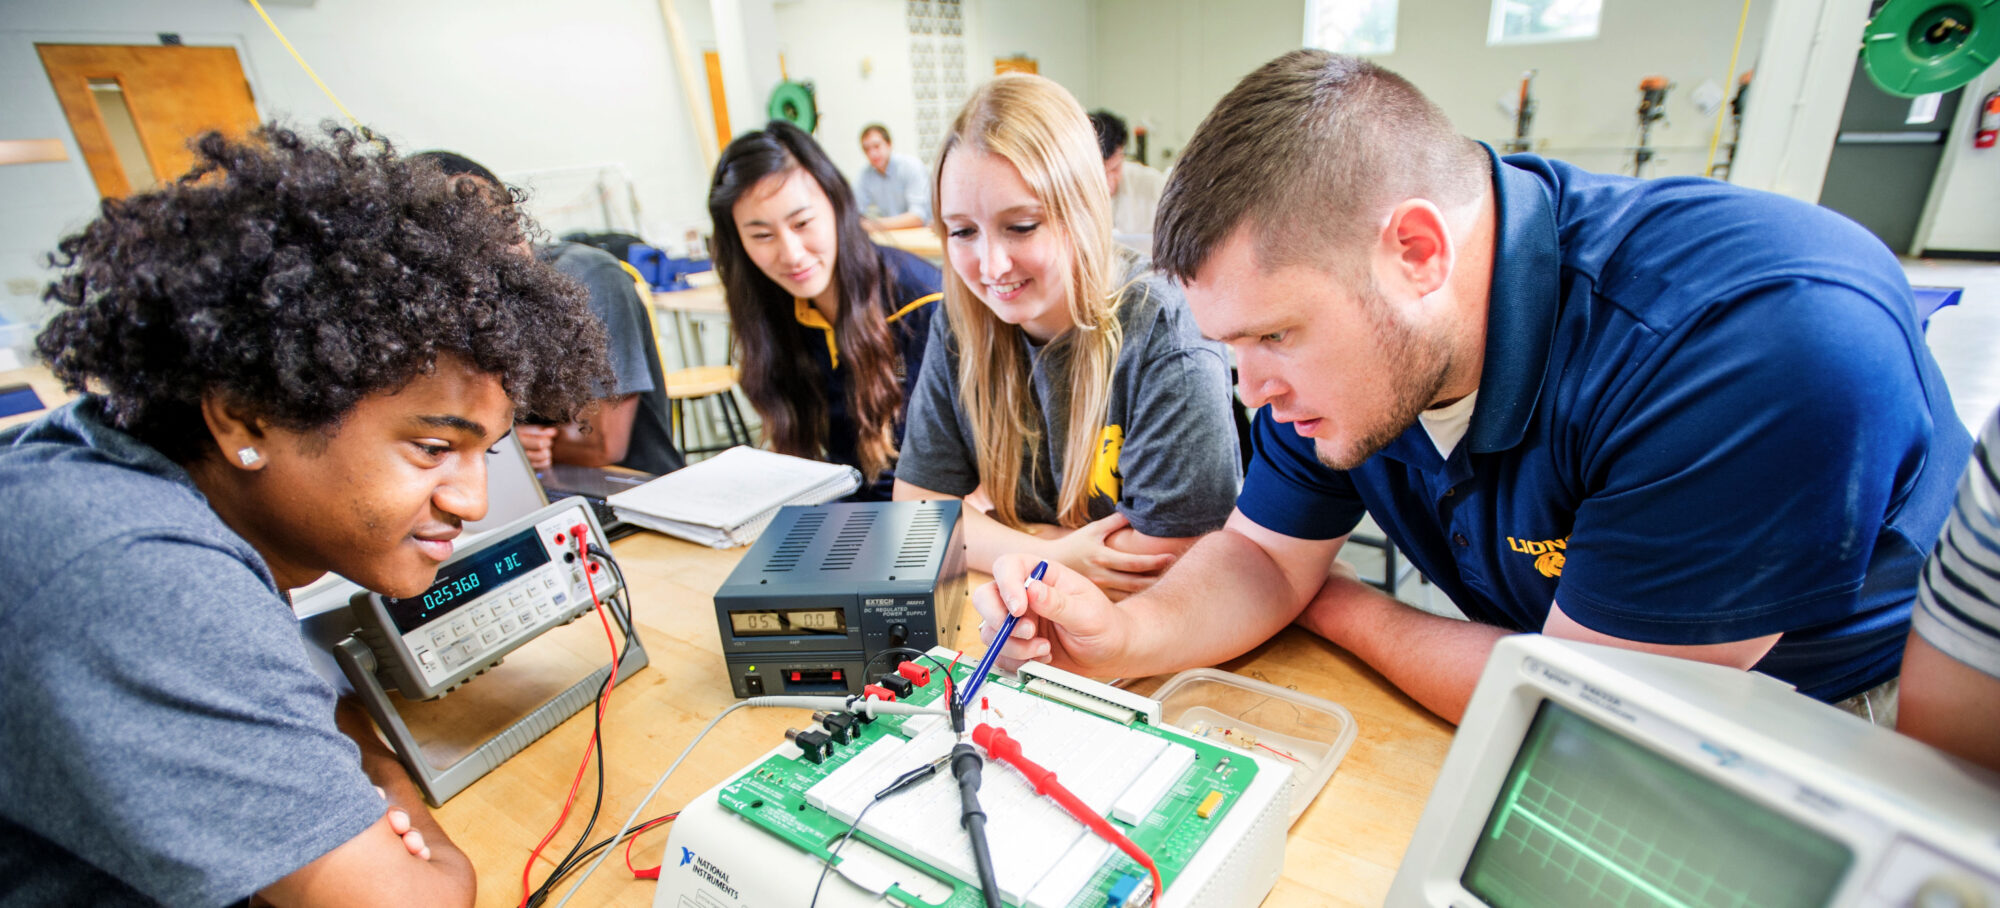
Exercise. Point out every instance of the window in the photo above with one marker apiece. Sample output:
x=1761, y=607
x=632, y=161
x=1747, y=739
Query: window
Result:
x=1351, y=26
x=1533, y=21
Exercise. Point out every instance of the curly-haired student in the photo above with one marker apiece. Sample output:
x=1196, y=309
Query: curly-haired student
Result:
x=292, y=360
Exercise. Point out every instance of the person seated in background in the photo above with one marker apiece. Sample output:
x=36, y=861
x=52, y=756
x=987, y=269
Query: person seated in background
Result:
x=1068, y=384
x=631, y=425
x=290, y=362
x=893, y=191
x=1135, y=188
x=1950, y=690
x=1674, y=416
x=830, y=328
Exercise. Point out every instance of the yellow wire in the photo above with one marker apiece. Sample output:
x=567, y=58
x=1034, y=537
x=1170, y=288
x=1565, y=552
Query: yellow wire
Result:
x=1716, y=139
x=308, y=67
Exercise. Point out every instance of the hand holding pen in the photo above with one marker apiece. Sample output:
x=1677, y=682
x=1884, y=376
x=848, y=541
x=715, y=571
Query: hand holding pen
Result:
x=1060, y=618
x=1007, y=625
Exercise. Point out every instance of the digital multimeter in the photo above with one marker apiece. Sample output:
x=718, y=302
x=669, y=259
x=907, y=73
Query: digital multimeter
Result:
x=487, y=600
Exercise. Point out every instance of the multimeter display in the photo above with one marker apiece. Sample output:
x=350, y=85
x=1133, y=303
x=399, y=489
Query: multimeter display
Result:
x=779, y=622
x=463, y=581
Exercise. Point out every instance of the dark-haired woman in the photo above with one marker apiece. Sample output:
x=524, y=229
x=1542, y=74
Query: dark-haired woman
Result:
x=830, y=328
x=296, y=358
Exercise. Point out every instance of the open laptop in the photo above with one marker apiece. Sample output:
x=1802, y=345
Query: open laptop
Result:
x=595, y=484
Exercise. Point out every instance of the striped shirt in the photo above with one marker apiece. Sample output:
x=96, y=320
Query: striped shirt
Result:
x=1958, y=599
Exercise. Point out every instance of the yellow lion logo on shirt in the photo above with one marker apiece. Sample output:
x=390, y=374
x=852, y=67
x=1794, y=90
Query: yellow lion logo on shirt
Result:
x=1549, y=554
x=1550, y=564
x=1105, y=480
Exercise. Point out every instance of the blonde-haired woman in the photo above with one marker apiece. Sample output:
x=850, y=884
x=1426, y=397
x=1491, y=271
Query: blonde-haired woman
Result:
x=1068, y=383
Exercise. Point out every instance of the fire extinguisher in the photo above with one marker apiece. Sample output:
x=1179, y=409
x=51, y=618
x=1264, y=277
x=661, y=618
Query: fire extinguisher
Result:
x=1989, y=122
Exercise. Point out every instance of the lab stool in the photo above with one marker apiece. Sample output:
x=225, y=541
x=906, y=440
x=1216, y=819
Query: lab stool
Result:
x=716, y=384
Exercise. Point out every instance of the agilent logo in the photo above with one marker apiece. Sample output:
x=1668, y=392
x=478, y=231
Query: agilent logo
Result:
x=1548, y=553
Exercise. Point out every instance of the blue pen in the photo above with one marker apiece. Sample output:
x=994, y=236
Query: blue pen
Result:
x=999, y=640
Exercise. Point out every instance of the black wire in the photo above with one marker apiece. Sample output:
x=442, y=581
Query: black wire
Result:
x=597, y=802
x=562, y=871
x=902, y=782
x=965, y=767
x=989, y=885
x=828, y=865
x=572, y=860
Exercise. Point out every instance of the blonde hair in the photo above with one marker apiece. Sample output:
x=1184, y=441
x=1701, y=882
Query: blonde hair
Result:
x=1035, y=125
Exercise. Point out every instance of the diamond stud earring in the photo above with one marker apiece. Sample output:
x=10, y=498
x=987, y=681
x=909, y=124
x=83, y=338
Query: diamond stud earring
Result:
x=248, y=456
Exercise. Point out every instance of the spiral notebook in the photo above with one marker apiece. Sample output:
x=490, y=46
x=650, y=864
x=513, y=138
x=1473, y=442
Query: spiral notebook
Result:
x=728, y=500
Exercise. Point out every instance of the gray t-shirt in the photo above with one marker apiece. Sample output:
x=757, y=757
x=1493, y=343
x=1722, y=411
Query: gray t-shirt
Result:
x=163, y=738
x=1168, y=455
x=635, y=356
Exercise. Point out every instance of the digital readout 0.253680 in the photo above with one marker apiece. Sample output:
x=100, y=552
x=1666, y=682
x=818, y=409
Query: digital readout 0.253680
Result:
x=463, y=580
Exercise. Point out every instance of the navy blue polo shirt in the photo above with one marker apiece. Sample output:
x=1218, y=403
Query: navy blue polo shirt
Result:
x=1705, y=414
x=913, y=292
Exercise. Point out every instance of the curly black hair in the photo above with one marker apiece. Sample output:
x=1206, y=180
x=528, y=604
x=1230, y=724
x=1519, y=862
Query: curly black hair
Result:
x=295, y=277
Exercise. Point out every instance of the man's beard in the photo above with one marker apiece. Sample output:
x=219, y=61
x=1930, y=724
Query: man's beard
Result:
x=1420, y=364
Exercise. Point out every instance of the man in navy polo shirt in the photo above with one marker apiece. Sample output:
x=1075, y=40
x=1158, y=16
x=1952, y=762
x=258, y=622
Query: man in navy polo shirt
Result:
x=1673, y=416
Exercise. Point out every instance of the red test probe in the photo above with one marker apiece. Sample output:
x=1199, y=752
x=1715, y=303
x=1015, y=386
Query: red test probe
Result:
x=1007, y=750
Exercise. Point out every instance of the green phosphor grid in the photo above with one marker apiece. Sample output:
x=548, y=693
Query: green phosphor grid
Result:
x=1590, y=818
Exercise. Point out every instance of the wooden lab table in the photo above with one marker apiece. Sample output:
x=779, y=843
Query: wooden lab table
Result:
x=1343, y=851
x=681, y=306
x=921, y=241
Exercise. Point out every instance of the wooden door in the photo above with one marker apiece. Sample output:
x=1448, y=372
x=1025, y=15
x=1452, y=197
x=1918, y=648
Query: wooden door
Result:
x=716, y=101
x=133, y=108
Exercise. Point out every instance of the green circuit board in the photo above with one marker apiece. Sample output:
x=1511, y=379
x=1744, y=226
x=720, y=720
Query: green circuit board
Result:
x=772, y=794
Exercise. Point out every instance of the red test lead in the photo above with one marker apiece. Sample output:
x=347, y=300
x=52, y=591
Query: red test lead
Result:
x=1007, y=750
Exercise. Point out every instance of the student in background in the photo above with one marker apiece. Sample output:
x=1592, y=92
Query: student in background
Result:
x=1950, y=688
x=1135, y=188
x=1069, y=383
x=830, y=328
x=893, y=189
x=290, y=362
x=630, y=425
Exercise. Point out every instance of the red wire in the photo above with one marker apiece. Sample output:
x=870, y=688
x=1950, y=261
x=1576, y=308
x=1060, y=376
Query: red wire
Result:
x=649, y=873
x=1277, y=751
x=1001, y=747
x=591, y=747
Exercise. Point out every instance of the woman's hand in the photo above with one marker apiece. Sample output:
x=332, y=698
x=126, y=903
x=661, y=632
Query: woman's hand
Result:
x=1087, y=551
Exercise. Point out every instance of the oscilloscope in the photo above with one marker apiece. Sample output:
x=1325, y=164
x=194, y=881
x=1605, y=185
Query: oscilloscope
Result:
x=1590, y=775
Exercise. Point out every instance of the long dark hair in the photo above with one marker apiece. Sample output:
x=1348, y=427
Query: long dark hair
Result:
x=778, y=374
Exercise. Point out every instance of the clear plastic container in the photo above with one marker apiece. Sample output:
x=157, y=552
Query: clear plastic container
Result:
x=1309, y=733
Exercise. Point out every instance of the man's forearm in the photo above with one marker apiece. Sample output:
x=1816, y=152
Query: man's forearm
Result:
x=602, y=436
x=1222, y=598
x=1433, y=659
